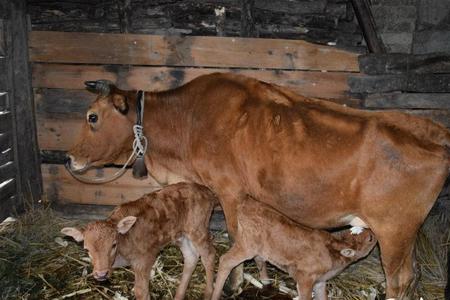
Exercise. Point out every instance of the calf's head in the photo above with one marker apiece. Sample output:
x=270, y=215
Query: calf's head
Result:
x=101, y=240
x=107, y=131
x=355, y=246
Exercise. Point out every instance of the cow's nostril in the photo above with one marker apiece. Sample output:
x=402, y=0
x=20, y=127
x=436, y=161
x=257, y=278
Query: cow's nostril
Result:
x=102, y=275
x=67, y=159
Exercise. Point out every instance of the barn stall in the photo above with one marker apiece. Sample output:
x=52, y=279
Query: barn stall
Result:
x=316, y=48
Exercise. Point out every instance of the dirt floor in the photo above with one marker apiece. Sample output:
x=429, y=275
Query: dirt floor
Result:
x=37, y=262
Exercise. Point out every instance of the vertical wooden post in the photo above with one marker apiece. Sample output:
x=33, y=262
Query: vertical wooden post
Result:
x=16, y=84
x=124, y=7
x=367, y=24
x=247, y=21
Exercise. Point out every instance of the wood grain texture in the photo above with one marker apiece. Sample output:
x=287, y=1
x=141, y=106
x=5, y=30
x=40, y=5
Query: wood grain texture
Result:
x=156, y=50
x=399, y=63
x=329, y=85
x=408, y=100
x=61, y=187
x=417, y=83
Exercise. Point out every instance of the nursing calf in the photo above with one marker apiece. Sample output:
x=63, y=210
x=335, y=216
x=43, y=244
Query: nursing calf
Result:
x=310, y=256
x=136, y=231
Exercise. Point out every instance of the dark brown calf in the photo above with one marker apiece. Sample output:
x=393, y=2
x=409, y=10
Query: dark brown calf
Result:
x=136, y=231
x=310, y=256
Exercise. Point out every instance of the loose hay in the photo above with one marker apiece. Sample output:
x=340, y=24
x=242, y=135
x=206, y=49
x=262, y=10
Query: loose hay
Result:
x=36, y=263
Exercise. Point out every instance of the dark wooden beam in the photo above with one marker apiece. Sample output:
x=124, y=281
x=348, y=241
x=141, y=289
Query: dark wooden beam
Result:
x=367, y=24
x=398, y=63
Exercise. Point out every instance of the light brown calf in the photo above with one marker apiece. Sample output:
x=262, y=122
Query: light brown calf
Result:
x=136, y=231
x=310, y=256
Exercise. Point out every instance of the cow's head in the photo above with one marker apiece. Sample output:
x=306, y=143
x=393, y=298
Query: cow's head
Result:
x=107, y=132
x=356, y=246
x=101, y=239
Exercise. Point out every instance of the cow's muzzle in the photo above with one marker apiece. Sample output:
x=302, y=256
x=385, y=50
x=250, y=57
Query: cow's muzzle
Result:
x=74, y=165
x=101, y=275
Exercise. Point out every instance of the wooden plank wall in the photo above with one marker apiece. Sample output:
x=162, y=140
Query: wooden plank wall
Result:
x=20, y=176
x=62, y=61
x=416, y=84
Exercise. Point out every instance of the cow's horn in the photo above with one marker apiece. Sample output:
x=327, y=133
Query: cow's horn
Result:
x=101, y=86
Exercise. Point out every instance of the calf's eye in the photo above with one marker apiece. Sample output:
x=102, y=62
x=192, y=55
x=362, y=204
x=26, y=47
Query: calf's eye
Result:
x=92, y=118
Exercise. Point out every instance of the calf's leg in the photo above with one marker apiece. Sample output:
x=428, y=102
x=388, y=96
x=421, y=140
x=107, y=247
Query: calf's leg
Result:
x=304, y=288
x=320, y=291
x=235, y=256
x=190, y=259
x=262, y=268
x=142, y=268
x=207, y=254
x=229, y=205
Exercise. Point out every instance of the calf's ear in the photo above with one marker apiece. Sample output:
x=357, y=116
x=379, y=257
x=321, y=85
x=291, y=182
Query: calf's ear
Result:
x=125, y=224
x=120, y=103
x=76, y=234
x=347, y=252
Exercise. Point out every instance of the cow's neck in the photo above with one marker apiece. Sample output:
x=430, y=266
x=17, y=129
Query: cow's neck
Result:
x=167, y=122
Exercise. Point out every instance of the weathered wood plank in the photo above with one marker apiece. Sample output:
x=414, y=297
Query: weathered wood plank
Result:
x=4, y=103
x=92, y=48
x=6, y=156
x=5, y=122
x=329, y=85
x=98, y=212
x=2, y=38
x=21, y=98
x=408, y=100
x=7, y=171
x=58, y=134
x=398, y=63
x=61, y=187
x=419, y=83
x=7, y=191
x=5, y=141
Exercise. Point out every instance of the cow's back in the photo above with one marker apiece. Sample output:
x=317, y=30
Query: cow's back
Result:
x=306, y=157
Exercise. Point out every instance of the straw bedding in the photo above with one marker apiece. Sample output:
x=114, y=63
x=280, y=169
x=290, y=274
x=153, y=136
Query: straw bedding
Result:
x=37, y=263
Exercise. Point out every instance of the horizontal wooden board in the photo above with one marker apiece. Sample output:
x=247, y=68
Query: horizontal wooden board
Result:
x=57, y=134
x=330, y=85
x=398, y=63
x=98, y=211
x=187, y=51
x=61, y=187
x=417, y=83
x=408, y=100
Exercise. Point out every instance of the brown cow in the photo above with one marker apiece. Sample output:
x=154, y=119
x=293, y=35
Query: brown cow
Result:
x=319, y=163
x=136, y=231
x=310, y=256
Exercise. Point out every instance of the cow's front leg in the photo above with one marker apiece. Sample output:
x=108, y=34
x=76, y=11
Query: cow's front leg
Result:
x=229, y=205
x=142, y=268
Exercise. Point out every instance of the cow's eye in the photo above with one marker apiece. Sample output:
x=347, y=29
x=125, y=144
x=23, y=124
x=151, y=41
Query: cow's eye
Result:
x=92, y=118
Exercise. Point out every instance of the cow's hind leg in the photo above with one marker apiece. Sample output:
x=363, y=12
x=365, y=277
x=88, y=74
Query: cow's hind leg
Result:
x=397, y=257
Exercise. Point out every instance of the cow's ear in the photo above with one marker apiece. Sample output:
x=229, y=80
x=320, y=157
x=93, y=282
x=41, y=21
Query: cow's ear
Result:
x=120, y=103
x=76, y=234
x=347, y=252
x=125, y=224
